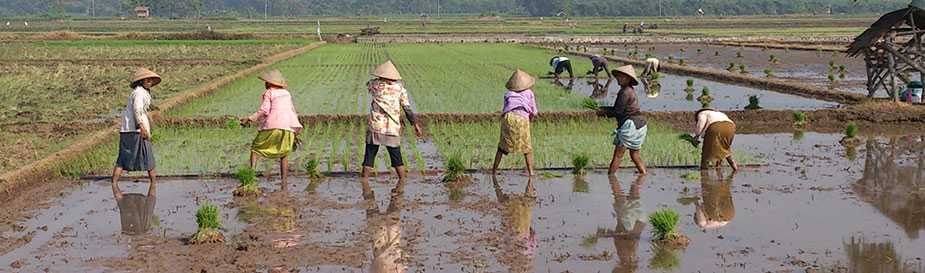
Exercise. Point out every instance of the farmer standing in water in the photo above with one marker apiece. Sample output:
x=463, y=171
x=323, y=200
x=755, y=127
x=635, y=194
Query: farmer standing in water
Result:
x=279, y=123
x=631, y=125
x=136, y=153
x=384, y=127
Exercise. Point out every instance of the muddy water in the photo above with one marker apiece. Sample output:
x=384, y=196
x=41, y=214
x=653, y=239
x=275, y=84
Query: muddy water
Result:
x=801, y=65
x=815, y=206
x=672, y=96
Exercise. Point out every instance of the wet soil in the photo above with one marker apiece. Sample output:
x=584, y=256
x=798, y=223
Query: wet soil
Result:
x=789, y=216
x=672, y=96
x=809, y=66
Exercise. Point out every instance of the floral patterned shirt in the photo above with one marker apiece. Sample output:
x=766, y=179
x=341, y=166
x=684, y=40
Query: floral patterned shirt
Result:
x=386, y=107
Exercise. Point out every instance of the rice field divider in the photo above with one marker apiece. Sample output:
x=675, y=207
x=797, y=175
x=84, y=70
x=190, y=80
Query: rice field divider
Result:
x=46, y=166
x=771, y=84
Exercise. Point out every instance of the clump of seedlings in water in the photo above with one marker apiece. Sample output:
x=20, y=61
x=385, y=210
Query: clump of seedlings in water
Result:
x=842, y=72
x=705, y=96
x=681, y=62
x=248, y=179
x=455, y=170
x=768, y=72
x=773, y=59
x=716, y=53
x=591, y=104
x=851, y=134
x=753, y=103
x=665, y=229
x=580, y=163
x=731, y=67
x=208, y=222
x=690, y=86
x=739, y=54
x=699, y=51
x=799, y=119
x=742, y=69
x=312, y=169
x=832, y=79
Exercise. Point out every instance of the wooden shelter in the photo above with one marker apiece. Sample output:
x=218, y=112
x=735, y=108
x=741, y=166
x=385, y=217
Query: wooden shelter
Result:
x=894, y=49
x=142, y=11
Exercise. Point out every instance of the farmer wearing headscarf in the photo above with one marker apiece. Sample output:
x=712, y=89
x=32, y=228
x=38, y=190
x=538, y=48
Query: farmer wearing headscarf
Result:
x=519, y=109
x=279, y=123
x=631, y=125
x=561, y=64
x=384, y=127
x=136, y=153
x=600, y=64
x=717, y=131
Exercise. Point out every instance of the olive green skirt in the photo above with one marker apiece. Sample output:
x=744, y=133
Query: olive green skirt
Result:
x=274, y=143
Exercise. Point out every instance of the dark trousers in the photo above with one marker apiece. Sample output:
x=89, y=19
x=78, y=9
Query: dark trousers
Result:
x=372, y=150
x=565, y=66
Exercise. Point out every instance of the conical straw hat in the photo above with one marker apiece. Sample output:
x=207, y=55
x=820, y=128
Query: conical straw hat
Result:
x=520, y=81
x=629, y=71
x=387, y=70
x=274, y=77
x=143, y=73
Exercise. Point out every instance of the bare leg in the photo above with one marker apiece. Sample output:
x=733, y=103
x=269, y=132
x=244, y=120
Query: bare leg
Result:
x=116, y=175
x=704, y=163
x=530, y=190
x=616, y=160
x=402, y=173
x=366, y=171
x=636, y=156
x=494, y=167
x=528, y=157
x=152, y=189
x=152, y=176
x=253, y=160
x=284, y=168
x=732, y=164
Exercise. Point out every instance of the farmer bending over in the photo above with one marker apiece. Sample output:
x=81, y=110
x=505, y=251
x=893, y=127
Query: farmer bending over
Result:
x=631, y=124
x=561, y=64
x=600, y=64
x=717, y=131
x=389, y=100
x=279, y=124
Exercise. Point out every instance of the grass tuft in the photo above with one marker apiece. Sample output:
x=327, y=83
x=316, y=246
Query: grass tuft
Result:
x=208, y=221
x=455, y=169
x=580, y=163
x=312, y=168
x=851, y=130
x=248, y=178
x=665, y=224
x=799, y=118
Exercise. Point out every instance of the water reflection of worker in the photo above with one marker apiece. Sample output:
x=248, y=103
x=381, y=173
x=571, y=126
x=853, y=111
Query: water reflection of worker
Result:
x=385, y=229
x=518, y=225
x=599, y=90
x=716, y=209
x=630, y=223
x=600, y=64
x=135, y=210
x=561, y=64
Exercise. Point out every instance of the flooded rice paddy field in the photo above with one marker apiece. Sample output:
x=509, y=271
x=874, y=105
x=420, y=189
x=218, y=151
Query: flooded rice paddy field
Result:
x=816, y=206
x=800, y=65
x=673, y=97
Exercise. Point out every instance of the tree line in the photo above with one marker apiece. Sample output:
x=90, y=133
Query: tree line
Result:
x=291, y=8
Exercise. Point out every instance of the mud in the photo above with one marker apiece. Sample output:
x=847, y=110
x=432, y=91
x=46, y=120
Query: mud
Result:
x=788, y=216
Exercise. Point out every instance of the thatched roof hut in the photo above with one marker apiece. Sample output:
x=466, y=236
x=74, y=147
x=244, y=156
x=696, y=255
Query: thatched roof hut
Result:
x=888, y=22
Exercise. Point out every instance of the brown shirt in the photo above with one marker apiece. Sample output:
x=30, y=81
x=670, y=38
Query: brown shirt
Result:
x=626, y=107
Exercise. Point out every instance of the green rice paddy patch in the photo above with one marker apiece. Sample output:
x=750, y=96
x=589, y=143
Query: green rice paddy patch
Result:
x=556, y=142
x=439, y=78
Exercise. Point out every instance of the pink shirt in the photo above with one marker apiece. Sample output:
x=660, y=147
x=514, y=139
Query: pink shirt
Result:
x=277, y=111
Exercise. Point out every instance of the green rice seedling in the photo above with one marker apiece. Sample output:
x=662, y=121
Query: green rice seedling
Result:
x=768, y=72
x=654, y=76
x=772, y=59
x=648, y=55
x=842, y=75
x=233, y=124
x=842, y=68
x=682, y=50
x=208, y=221
x=580, y=162
x=764, y=49
x=716, y=53
x=705, y=96
x=851, y=130
x=312, y=168
x=688, y=138
x=753, y=103
x=551, y=175
x=690, y=83
x=665, y=259
x=832, y=65
x=739, y=54
x=665, y=224
x=681, y=62
x=455, y=169
x=248, y=178
x=799, y=118
x=731, y=67
x=832, y=79
x=591, y=104
x=742, y=69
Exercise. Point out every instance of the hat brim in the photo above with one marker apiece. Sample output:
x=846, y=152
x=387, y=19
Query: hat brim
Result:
x=283, y=85
x=157, y=79
x=632, y=77
x=521, y=87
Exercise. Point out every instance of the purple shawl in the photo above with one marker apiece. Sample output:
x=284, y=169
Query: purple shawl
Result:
x=522, y=103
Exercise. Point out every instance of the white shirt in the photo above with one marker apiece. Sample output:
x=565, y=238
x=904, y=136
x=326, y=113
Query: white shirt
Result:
x=556, y=61
x=136, y=111
x=705, y=118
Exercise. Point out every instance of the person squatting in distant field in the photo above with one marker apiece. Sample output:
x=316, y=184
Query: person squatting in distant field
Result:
x=561, y=64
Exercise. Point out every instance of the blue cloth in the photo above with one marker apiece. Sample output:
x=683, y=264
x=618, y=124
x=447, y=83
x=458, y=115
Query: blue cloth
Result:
x=629, y=136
